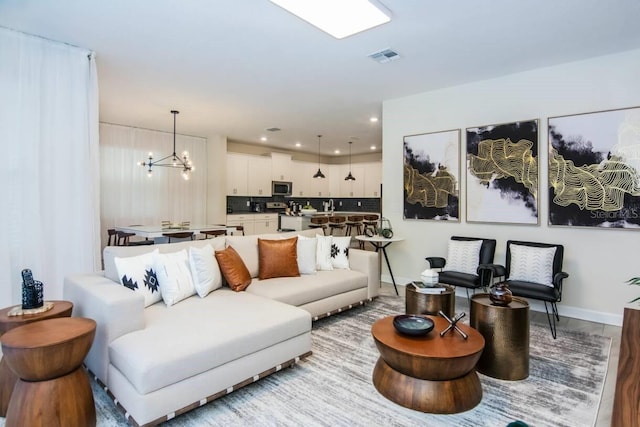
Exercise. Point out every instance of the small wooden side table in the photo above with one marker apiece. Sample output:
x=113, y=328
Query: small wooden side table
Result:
x=506, y=333
x=419, y=303
x=7, y=377
x=53, y=388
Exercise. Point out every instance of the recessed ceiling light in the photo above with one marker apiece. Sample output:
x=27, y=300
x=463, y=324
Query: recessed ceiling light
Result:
x=373, y=147
x=298, y=144
x=340, y=18
x=373, y=119
x=336, y=152
x=263, y=138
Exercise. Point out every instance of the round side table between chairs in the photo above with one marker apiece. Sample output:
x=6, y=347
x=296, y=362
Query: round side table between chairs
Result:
x=53, y=389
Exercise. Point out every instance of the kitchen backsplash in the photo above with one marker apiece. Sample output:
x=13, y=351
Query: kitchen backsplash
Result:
x=238, y=204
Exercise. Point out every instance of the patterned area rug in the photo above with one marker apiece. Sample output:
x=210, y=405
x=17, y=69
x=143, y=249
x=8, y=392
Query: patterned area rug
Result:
x=333, y=387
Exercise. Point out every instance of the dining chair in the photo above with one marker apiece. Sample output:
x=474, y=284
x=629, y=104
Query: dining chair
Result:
x=113, y=235
x=122, y=239
x=213, y=233
x=179, y=235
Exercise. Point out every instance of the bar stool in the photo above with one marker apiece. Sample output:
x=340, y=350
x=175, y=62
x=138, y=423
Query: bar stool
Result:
x=319, y=222
x=179, y=235
x=370, y=223
x=354, y=222
x=336, y=222
x=213, y=233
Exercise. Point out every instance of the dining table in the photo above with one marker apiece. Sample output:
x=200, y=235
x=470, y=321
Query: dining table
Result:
x=157, y=232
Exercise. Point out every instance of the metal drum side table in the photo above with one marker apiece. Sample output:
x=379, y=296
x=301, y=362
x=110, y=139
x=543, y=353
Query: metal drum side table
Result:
x=419, y=303
x=506, y=333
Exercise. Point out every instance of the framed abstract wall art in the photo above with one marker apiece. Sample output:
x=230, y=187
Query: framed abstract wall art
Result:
x=432, y=176
x=502, y=173
x=594, y=169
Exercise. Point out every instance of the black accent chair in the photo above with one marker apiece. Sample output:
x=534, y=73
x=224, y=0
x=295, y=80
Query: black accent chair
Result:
x=469, y=281
x=538, y=291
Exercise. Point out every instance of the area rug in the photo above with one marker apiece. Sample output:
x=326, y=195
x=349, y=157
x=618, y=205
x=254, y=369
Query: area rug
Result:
x=333, y=387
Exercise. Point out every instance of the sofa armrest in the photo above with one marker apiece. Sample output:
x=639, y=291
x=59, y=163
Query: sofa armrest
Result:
x=367, y=262
x=116, y=310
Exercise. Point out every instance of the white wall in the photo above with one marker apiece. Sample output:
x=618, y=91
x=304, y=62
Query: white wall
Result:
x=598, y=261
x=216, y=179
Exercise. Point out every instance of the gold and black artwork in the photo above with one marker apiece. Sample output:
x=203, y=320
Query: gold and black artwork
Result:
x=502, y=173
x=432, y=175
x=594, y=164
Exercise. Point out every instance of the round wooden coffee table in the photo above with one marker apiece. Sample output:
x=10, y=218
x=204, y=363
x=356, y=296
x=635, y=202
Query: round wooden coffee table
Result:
x=7, y=377
x=430, y=373
x=53, y=388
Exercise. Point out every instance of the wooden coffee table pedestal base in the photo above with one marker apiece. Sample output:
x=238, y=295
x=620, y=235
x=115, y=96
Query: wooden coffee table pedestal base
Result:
x=436, y=397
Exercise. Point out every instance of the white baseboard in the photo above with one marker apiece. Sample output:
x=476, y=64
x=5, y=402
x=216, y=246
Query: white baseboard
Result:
x=563, y=310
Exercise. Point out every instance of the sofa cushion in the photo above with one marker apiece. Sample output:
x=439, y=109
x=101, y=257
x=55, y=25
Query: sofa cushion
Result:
x=174, y=276
x=323, y=253
x=308, y=288
x=240, y=324
x=233, y=269
x=137, y=274
x=110, y=252
x=532, y=264
x=247, y=248
x=463, y=256
x=205, y=269
x=277, y=258
x=306, y=252
x=340, y=252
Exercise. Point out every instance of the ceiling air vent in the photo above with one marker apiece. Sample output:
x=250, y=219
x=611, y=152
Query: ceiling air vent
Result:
x=384, y=56
x=274, y=129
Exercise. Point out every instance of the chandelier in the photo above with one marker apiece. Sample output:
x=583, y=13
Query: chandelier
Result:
x=172, y=160
x=350, y=177
x=319, y=174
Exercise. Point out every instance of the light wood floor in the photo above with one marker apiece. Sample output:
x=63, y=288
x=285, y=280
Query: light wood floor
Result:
x=568, y=323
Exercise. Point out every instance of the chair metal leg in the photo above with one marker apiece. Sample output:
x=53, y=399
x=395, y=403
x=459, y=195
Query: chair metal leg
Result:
x=552, y=318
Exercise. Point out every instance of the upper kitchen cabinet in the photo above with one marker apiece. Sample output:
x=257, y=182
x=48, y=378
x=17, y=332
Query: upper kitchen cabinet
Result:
x=248, y=175
x=352, y=188
x=281, y=167
x=259, y=173
x=373, y=179
x=237, y=177
x=304, y=184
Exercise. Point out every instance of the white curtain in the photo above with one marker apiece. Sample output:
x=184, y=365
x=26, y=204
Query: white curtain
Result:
x=130, y=197
x=49, y=177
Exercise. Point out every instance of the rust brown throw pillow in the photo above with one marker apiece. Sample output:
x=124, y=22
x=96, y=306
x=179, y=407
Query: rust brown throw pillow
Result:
x=233, y=269
x=277, y=258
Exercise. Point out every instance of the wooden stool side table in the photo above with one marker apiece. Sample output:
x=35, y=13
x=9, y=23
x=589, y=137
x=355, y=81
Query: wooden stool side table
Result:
x=7, y=378
x=422, y=303
x=53, y=388
x=506, y=333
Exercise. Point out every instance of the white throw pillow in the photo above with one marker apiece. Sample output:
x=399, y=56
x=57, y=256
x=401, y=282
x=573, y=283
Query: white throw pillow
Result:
x=174, y=276
x=323, y=253
x=531, y=264
x=340, y=252
x=463, y=256
x=137, y=273
x=204, y=269
x=306, y=249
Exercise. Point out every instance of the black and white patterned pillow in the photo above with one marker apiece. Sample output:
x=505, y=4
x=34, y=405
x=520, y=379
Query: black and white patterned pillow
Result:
x=137, y=273
x=531, y=264
x=340, y=252
x=464, y=256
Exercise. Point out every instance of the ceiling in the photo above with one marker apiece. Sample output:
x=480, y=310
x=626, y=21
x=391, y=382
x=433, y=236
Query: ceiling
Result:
x=237, y=68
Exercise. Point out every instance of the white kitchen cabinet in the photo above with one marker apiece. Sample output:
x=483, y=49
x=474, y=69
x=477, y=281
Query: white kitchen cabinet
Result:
x=265, y=223
x=280, y=167
x=318, y=187
x=237, y=165
x=245, y=220
x=259, y=176
x=296, y=223
x=334, y=180
x=299, y=172
x=372, y=179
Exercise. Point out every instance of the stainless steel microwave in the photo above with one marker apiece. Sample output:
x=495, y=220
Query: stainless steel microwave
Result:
x=281, y=188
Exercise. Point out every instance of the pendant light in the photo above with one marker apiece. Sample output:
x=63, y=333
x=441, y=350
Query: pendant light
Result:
x=319, y=174
x=173, y=161
x=350, y=177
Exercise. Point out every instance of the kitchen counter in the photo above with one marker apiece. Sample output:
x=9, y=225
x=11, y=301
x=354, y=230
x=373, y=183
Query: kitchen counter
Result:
x=301, y=222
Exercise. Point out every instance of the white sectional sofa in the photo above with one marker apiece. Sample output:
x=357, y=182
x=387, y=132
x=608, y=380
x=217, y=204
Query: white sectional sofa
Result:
x=160, y=361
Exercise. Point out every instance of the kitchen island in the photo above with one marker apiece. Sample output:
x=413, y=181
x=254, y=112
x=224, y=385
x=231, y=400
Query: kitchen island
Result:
x=301, y=222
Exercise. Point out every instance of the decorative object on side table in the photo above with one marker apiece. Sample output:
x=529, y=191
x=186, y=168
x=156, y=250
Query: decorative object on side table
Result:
x=453, y=324
x=31, y=291
x=412, y=325
x=500, y=294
